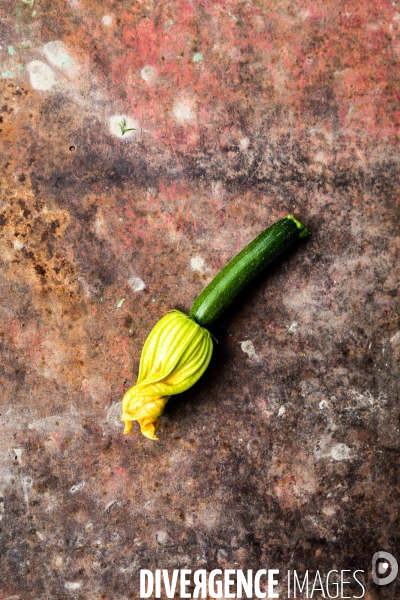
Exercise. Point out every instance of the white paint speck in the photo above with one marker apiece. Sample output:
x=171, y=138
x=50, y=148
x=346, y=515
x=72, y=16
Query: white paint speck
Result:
x=57, y=54
x=41, y=77
x=322, y=158
x=17, y=454
x=100, y=226
x=136, y=284
x=72, y=585
x=248, y=348
x=77, y=487
x=18, y=245
x=86, y=287
x=304, y=14
x=282, y=411
x=164, y=539
x=218, y=190
x=182, y=110
x=115, y=126
x=293, y=327
x=329, y=511
x=149, y=74
x=395, y=338
x=197, y=263
x=106, y=20
x=341, y=452
x=27, y=483
x=109, y=505
x=357, y=400
x=221, y=554
x=113, y=417
x=121, y=302
x=244, y=144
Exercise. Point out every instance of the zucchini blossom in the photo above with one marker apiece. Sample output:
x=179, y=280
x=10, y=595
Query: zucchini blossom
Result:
x=179, y=347
x=174, y=356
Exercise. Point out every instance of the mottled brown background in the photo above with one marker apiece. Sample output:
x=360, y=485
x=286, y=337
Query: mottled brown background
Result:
x=286, y=454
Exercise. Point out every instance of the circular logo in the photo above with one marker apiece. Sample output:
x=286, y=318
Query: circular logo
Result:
x=382, y=567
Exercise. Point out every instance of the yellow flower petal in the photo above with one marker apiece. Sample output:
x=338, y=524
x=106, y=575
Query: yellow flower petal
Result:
x=149, y=428
x=174, y=356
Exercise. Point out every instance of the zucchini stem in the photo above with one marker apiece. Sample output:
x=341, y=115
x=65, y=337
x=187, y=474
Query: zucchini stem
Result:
x=303, y=231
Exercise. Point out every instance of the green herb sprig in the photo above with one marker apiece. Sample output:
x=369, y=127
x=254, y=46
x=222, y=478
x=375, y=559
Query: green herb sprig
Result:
x=124, y=128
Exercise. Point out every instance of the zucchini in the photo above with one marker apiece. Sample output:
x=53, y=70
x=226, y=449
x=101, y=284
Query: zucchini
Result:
x=243, y=267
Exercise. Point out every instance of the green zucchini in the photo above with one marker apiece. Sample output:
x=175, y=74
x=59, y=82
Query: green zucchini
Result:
x=243, y=267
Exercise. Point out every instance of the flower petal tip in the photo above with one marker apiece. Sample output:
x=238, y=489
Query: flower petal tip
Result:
x=128, y=426
x=149, y=428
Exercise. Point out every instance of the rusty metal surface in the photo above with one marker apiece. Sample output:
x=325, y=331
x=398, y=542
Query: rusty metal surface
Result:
x=285, y=454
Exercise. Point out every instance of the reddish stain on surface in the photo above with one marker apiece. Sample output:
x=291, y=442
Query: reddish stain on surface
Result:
x=293, y=107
